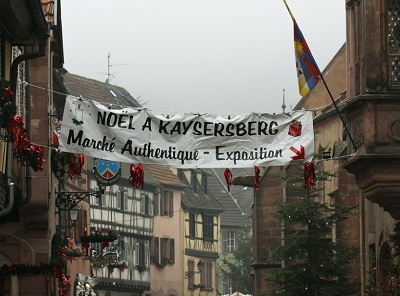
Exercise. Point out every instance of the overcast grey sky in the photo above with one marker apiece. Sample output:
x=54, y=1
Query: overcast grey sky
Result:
x=207, y=56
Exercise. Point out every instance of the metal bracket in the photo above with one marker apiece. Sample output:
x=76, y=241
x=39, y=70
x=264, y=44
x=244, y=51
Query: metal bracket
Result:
x=65, y=201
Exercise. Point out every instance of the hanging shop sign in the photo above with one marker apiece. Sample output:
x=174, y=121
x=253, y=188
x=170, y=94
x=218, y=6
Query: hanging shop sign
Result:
x=185, y=140
x=106, y=172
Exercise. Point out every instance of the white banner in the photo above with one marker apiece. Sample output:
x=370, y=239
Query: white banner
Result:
x=185, y=140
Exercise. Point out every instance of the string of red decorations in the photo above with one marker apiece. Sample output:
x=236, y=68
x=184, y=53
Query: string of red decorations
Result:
x=25, y=152
x=76, y=165
x=228, y=178
x=309, y=176
x=257, y=177
x=136, y=178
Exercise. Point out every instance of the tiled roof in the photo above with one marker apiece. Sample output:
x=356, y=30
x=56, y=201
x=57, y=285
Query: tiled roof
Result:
x=165, y=176
x=95, y=90
x=235, y=214
x=199, y=201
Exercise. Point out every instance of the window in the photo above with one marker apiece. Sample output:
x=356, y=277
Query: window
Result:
x=164, y=243
x=206, y=275
x=180, y=174
x=193, y=181
x=228, y=241
x=145, y=203
x=96, y=197
x=168, y=250
x=163, y=250
x=119, y=202
x=121, y=250
x=167, y=204
x=192, y=225
x=141, y=254
x=231, y=242
x=20, y=94
x=208, y=227
x=103, y=200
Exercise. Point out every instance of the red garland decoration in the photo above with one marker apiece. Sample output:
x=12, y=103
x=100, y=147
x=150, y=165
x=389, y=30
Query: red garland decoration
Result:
x=105, y=245
x=63, y=282
x=309, y=176
x=24, y=151
x=7, y=108
x=76, y=165
x=86, y=247
x=137, y=175
x=228, y=178
x=257, y=177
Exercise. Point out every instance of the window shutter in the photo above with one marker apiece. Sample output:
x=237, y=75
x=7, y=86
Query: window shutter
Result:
x=190, y=264
x=224, y=242
x=171, y=203
x=157, y=249
x=163, y=248
x=172, y=250
x=146, y=255
x=156, y=203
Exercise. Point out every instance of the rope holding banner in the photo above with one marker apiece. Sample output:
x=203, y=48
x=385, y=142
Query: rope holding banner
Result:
x=228, y=178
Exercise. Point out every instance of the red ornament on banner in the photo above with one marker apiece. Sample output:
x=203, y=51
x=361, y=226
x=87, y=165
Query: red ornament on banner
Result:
x=309, y=175
x=295, y=129
x=228, y=178
x=257, y=177
x=137, y=175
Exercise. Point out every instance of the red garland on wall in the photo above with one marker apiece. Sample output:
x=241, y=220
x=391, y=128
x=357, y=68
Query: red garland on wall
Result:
x=24, y=151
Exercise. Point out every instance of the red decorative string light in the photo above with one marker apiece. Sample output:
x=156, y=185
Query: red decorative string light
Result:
x=228, y=178
x=136, y=178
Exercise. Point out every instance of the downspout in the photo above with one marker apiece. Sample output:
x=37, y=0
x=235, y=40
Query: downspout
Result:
x=42, y=34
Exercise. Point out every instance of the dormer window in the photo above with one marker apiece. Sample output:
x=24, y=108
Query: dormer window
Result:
x=179, y=174
x=193, y=181
x=204, y=183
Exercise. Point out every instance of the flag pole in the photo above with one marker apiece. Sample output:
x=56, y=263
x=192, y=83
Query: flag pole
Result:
x=329, y=92
x=339, y=113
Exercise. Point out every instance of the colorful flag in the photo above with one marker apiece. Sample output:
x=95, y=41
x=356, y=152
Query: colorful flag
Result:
x=307, y=69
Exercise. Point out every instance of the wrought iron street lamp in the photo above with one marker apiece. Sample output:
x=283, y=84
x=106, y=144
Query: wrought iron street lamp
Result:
x=189, y=274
